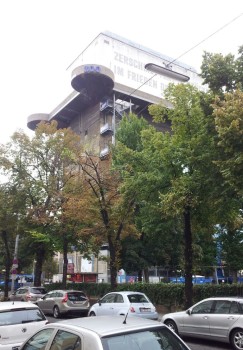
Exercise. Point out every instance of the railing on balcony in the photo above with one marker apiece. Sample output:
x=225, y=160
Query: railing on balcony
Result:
x=108, y=104
x=106, y=128
x=104, y=152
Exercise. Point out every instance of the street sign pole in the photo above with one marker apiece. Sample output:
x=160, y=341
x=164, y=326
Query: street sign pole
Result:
x=15, y=263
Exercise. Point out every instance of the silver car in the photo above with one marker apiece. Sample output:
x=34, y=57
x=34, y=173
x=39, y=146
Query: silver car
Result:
x=105, y=333
x=28, y=293
x=124, y=303
x=64, y=302
x=219, y=318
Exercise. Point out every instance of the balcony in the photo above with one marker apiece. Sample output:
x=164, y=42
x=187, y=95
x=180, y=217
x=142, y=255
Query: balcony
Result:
x=104, y=152
x=106, y=105
x=106, y=128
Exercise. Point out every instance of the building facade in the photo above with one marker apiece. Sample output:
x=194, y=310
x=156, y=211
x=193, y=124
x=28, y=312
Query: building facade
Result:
x=112, y=77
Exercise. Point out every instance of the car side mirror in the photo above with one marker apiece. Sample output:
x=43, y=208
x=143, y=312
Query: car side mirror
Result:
x=189, y=311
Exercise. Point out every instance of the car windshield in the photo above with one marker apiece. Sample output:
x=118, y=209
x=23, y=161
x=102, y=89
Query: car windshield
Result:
x=156, y=339
x=38, y=291
x=75, y=296
x=20, y=316
x=137, y=298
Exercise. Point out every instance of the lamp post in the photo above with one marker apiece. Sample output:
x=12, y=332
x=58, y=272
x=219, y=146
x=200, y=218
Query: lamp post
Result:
x=155, y=68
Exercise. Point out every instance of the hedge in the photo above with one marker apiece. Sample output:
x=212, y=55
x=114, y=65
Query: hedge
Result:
x=166, y=294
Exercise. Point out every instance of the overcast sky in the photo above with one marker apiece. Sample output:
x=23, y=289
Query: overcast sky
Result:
x=40, y=38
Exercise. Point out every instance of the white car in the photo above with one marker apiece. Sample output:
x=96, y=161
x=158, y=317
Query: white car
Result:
x=218, y=318
x=18, y=320
x=105, y=333
x=124, y=303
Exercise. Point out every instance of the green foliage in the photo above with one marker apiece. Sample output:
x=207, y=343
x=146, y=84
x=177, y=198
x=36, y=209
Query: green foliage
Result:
x=218, y=71
x=168, y=295
x=222, y=73
x=229, y=123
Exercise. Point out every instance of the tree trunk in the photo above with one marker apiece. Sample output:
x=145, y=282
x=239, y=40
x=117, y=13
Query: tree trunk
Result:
x=188, y=258
x=40, y=255
x=65, y=263
x=140, y=276
x=146, y=275
x=7, y=263
x=113, y=268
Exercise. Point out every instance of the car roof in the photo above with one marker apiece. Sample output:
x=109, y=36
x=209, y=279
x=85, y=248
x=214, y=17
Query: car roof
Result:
x=126, y=292
x=108, y=325
x=66, y=291
x=231, y=298
x=28, y=287
x=13, y=305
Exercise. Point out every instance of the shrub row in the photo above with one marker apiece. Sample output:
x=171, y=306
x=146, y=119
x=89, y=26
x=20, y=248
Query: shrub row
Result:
x=165, y=294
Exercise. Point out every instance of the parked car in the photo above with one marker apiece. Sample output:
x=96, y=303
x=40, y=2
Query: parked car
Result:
x=105, y=333
x=122, y=303
x=63, y=302
x=18, y=320
x=219, y=318
x=28, y=294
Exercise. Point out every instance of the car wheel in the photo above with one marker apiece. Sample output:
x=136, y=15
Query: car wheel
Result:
x=56, y=312
x=236, y=339
x=172, y=325
x=92, y=313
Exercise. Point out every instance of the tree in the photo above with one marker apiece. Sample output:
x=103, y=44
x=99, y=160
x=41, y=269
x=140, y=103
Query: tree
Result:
x=222, y=73
x=42, y=167
x=171, y=171
x=228, y=113
x=11, y=206
x=112, y=220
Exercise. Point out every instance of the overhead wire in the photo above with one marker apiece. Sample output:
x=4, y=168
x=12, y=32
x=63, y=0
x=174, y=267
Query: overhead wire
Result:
x=192, y=48
x=172, y=61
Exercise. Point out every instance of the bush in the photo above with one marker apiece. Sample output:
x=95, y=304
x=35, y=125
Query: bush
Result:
x=166, y=294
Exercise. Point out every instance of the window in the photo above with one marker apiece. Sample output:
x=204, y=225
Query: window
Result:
x=74, y=296
x=203, y=308
x=234, y=308
x=119, y=298
x=11, y=317
x=66, y=340
x=137, y=298
x=156, y=339
x=108, y=298
x=222, y=307
x=21, y=291
x=38, y=290
x=39, y=340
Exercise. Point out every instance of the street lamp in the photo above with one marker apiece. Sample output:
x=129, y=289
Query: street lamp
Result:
x=155, y=68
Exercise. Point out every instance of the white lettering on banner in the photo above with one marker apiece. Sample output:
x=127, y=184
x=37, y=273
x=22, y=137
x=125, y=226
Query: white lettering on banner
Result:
x=119, y=71
x=129, y=61
x=163, y=86
x=141, y=79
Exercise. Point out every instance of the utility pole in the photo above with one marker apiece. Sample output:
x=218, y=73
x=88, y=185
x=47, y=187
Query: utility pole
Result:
x=15, y=262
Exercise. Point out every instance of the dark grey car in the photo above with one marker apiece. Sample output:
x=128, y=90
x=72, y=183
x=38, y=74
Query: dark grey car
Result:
x=63, y=302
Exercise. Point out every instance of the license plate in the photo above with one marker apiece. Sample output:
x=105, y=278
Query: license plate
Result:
x=144, y=309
